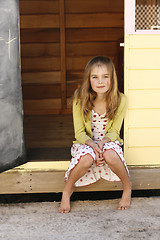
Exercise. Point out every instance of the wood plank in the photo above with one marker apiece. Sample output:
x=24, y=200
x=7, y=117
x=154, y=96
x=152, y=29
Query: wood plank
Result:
x=39, y=21
x=41, y=104
x=75, y=76
x=144, y=99
x=42, y=112
x=40, y=64
x=42, y=91
x=47, y=35
x=38, y=7
x=49, y=154
x=45, y=106
x=91, y=48
x=41, y=78
x=48, y=131
x=93, y=35
x=72, y=49
x=45, y=142
x=71, y=6
x=143, y=156
x=148, y=79
x=39, y=181
x=142, y=118
x=90, y=6
x=50, y=142
x=47, y=91
x=71, y=87
x=79, y=63
x=94, y=20
x=63, y=54
x=40, y=49
x=138, y=59
x=144, y=137
x=40, y=35
x=73, y=20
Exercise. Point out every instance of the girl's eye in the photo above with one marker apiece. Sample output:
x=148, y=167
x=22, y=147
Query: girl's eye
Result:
x=94, y=77
x=106, y=76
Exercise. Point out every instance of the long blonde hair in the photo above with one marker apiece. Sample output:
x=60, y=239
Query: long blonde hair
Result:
x=87, y=96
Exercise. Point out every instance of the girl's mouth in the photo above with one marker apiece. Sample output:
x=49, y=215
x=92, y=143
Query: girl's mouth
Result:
x=100, y=86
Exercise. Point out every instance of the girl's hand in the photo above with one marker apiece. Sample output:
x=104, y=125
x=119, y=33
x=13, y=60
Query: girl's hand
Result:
x=99, y=157
x=102, y=142
x=98, y=152
x=93, y=145
x=99, y=161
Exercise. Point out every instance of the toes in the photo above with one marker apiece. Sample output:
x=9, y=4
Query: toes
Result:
x=61, y=210
x=123, y=207
x=65, y=211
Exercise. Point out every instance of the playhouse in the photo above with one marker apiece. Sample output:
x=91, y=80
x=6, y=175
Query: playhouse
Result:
x=57, y=38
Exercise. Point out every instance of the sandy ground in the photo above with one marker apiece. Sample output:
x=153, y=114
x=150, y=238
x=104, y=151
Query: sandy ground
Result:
x=88, y=220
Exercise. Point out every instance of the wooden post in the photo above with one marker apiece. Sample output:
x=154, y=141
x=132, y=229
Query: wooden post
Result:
x=63, y=54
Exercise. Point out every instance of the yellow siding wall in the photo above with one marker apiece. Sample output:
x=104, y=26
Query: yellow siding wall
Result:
x=142, y=87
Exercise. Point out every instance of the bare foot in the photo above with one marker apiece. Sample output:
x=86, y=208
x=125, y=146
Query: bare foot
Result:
x=65, y=203
x=125, y=202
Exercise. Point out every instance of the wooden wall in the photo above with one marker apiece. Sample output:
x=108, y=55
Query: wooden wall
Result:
x=57, y=39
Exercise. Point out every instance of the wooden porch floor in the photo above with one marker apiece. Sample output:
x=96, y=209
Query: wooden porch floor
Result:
x=48, y=137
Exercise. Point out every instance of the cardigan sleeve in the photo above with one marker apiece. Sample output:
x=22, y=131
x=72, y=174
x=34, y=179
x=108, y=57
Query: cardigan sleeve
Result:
x=79, y=125
x=114, y=131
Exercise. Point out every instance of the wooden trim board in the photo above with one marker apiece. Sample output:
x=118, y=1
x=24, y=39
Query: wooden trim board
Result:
x=63, y=54
x=48, y=178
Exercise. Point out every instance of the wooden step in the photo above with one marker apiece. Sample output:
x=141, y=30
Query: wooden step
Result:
x=48, y=177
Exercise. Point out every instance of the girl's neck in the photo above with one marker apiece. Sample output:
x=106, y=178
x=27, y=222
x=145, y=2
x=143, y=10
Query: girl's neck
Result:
x=100, y=98
x=99, y=105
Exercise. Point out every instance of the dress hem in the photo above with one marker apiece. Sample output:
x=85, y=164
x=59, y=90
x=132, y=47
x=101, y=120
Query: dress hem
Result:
x=97, y=181
x=76, y=165
x=100, y=177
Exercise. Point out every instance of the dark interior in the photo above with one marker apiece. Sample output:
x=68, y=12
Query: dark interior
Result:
x=57, y=40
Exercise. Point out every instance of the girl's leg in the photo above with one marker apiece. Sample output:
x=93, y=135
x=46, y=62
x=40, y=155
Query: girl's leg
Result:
x=77, y=172
x=116, y=165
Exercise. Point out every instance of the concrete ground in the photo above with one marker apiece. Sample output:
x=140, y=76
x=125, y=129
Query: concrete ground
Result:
x=88, y=220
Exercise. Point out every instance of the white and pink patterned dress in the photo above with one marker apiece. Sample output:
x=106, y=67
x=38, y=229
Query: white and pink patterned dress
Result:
x=78, y=150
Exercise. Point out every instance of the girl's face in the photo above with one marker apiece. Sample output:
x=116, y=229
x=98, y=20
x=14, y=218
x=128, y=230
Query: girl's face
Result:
x=100, y=79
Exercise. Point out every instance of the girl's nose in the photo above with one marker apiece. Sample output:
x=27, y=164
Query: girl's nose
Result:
x=100, y=80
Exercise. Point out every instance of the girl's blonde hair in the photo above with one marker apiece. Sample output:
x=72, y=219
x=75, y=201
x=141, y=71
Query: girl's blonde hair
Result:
x=86, y=95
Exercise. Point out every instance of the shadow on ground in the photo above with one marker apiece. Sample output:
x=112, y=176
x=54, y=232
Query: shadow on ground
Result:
x=56, y=197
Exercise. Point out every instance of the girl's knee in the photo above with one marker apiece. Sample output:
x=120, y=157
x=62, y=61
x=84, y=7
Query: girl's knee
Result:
x=110, y=156
x=86, y=160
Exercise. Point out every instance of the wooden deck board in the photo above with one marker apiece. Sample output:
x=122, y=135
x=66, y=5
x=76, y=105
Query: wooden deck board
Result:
x=47, y=178
x=52, y=131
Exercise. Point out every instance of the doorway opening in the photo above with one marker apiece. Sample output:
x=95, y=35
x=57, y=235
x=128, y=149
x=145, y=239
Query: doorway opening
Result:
x=58, y=38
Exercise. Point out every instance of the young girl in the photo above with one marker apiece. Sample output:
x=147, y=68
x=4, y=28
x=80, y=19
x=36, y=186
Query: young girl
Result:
x=98, y=112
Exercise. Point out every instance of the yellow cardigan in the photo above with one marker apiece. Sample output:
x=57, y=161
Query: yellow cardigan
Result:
x=83, y=130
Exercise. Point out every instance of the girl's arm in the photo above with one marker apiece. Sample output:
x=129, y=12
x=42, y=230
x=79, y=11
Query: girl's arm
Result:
x=79, y=126
x=80, y=133
x=114, y=132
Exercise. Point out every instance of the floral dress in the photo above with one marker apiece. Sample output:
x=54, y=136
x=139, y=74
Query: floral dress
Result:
x=78, y=150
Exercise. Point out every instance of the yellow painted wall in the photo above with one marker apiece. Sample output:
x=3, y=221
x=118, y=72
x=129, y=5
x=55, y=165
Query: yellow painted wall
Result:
x=142, y=87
